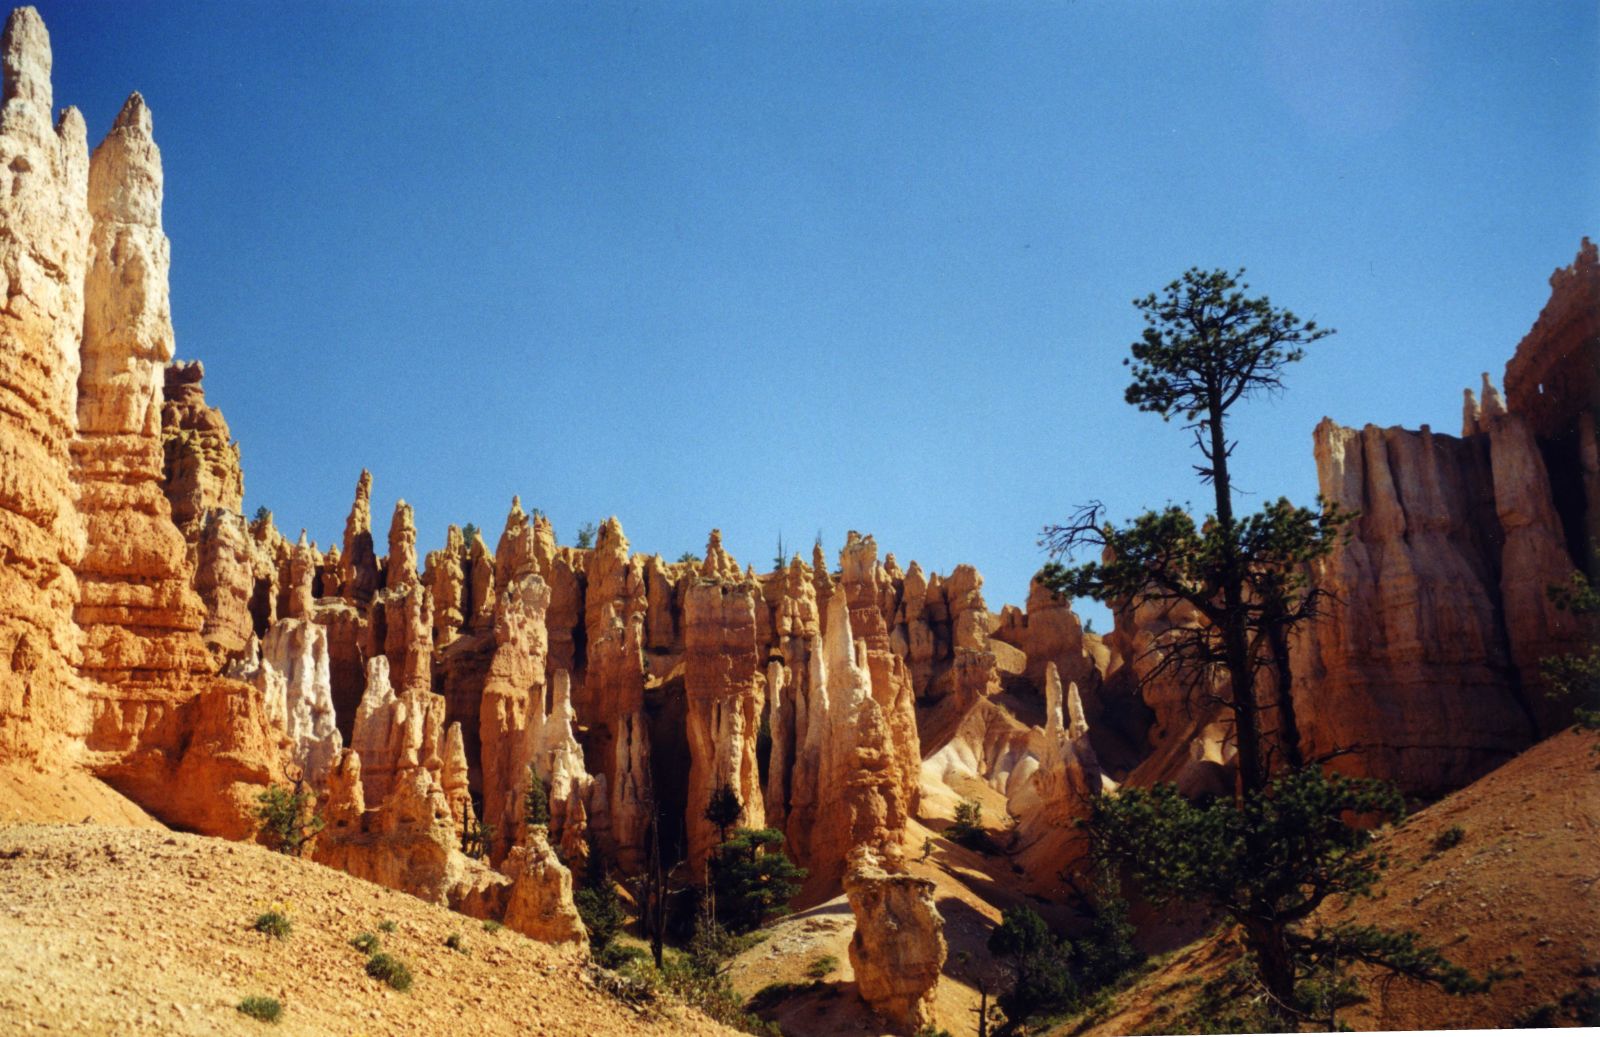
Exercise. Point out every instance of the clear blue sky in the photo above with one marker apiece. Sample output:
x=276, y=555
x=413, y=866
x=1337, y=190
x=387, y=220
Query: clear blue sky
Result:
x=799, y=267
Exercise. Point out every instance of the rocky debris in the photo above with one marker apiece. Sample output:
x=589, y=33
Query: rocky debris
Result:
x=79, y=955
x=898, y=949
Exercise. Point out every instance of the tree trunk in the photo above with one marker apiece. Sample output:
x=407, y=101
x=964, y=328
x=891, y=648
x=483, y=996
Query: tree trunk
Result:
x=1288, y=724
x=1266, y=940
x=1235, y=638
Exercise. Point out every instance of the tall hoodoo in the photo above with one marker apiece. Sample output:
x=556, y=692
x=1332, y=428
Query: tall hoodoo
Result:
x=866, y=586
x=615, y=609
x=513, y=695
x=44, y=236
x=358, y=560
x=140, y=617
x=726, y=691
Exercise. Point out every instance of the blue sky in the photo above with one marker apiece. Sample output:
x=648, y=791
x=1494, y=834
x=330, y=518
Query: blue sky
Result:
x=816, y=267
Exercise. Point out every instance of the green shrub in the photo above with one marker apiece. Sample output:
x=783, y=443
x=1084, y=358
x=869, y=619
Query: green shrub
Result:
x=967, y=828
x=366, y=943
x=387, y=926
x=391, y=970
x=1449, y=838
x=1041, y=963
x=492, y=927
x=821, y=967
x=456, y=943
x=265, y=1009
x=536, y=801
x=617, y=956
x=753, y=878
x=476, y=838
x=601, y=910
x=274, y=924
x=713, y=995
x=288, y=818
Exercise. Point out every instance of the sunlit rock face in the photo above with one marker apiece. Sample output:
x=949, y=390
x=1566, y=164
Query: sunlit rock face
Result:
x=43, y=259
x=1424, y=666
x=898, y=948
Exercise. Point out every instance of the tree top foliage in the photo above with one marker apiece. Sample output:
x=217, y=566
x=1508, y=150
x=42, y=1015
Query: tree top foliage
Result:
x=1206, y=344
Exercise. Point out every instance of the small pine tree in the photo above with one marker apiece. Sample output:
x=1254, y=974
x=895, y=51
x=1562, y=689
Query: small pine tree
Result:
x=1106, y=952
x=476, y=838
x=468, y=533
x=586, y=534
x=753, y=878
x=967, y=828
x=536, y=801
x=1267, y=863
x=288, y=816
x=1575, y=676
x=1041, y=964
x=598, y=904
x=723, y=810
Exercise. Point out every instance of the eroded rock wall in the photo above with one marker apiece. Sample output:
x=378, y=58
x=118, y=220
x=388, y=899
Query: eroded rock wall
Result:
x=44, y=241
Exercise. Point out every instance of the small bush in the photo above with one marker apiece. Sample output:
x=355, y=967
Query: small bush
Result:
x=616, y=956
x=274, y=924
x=536, y=801
x=366, y=943
x=456, y=943
x=713, y=994
x=476, y=838
x=820, y=968
x=288, y=817
x=967, y=828
x=387, y=926
x=1449, y=838
x=1536, y=1016
x=264, y=1009
x=391, y=970
x=492, y=927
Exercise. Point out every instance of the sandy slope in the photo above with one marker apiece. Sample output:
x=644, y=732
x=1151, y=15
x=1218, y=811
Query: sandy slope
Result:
x=121, y=930
x=1519, y=893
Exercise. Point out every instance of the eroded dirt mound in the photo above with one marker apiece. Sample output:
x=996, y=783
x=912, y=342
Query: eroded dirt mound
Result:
x=114, y=930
